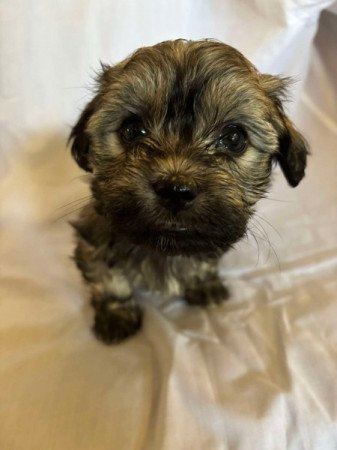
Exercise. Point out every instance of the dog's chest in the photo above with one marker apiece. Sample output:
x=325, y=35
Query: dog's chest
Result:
x=168, y=275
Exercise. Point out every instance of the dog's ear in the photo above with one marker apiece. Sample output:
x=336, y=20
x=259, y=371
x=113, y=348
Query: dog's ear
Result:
x=293, y=151
x=79, y=138
x=293, y=148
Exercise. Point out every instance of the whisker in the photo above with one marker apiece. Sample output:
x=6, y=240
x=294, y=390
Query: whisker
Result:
x=278, y=200
x=82, y=177
x=265, y=238
x=79, y=200
x=76, y=87
x=257, y=246
x=68, y=214
x=260, y=228
x=268, y=223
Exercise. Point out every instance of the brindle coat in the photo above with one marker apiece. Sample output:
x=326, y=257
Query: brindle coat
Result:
x=177, y=97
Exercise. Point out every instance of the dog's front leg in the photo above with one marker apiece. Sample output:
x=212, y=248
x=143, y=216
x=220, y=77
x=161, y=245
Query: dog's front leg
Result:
x=117, y=316
x=205, y=288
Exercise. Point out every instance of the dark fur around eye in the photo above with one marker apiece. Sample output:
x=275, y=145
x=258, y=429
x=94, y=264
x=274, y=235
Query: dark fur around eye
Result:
x=233, y=139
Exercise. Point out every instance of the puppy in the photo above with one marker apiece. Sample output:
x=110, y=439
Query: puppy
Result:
x=180, y=141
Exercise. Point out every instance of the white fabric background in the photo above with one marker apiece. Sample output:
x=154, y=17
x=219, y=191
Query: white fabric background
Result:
x=258, y=372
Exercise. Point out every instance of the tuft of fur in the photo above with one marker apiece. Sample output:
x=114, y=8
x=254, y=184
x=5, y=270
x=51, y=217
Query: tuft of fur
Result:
x=183, y=93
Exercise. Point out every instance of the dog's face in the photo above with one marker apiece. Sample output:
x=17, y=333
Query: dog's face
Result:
x=180, y=140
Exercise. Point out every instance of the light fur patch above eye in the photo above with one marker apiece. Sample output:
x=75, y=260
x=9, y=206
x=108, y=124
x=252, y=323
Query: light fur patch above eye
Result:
x=262, y=136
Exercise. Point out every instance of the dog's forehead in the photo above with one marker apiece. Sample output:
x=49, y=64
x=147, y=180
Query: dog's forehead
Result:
x=183, y=69
x=172, y=79
x=183, y=85
x=189, y=57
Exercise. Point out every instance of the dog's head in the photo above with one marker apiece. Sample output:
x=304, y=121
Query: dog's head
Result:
x=180, y=139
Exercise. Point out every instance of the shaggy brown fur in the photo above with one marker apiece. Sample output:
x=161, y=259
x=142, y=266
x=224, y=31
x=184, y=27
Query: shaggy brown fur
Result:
x=180, y=140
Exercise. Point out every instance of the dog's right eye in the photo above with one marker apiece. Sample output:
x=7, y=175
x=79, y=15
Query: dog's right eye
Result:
x=233, y=139
x=132, y=130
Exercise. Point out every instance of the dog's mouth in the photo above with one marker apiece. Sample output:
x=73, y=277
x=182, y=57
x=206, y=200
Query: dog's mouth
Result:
x=189, y=236
x=176, y=232
x=177, y=239
x=173, y=228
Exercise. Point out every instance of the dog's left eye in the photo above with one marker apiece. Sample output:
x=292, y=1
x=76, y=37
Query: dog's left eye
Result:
x=131, y=130
x=233, y=138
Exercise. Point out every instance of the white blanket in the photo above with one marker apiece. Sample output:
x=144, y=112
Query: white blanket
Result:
x=257, y=373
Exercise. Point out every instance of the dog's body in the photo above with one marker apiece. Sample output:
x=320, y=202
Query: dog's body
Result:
x=180, y=140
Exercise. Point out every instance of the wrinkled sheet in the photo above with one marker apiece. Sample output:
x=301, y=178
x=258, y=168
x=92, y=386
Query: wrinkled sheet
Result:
x=258, y=372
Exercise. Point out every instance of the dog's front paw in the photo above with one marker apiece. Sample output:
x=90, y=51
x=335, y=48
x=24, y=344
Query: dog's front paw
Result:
x=206, y=292
x=115, y=322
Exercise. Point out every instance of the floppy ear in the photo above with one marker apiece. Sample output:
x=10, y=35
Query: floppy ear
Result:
x=293, y=148
x=79, y=138
x=293, y=151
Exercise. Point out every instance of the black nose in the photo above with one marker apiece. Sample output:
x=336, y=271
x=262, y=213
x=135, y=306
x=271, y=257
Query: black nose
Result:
x=175, y=194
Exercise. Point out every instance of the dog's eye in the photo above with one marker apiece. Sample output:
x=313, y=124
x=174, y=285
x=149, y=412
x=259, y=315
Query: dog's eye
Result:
x=233, y=138
x=131, y=130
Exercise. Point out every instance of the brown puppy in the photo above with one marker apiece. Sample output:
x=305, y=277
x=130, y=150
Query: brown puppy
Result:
x=180, y=141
